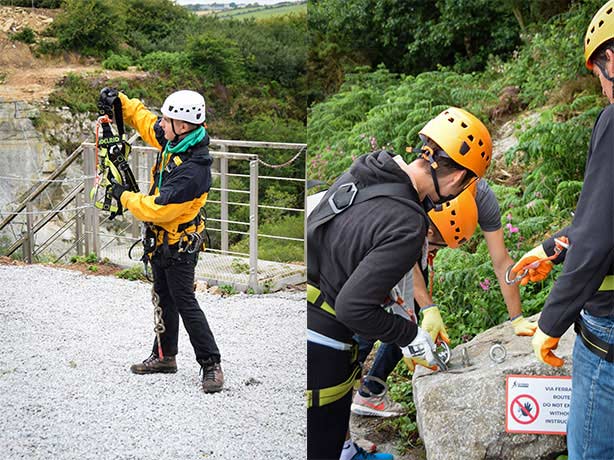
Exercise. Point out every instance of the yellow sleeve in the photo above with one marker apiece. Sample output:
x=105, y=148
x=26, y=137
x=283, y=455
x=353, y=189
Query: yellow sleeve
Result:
x=144, y=208
x=141, y=119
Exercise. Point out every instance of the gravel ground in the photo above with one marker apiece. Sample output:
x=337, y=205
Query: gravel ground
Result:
x=66, y=391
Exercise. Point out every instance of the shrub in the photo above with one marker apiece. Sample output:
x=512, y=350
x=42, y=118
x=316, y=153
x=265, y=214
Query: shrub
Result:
x=117, y=62
x=91, y=27
x=26, y=35
x=165, y=62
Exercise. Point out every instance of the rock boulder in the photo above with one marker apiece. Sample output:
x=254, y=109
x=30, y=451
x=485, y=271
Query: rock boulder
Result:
x=461, y=412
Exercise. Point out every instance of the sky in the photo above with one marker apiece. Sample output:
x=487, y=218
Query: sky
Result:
x=238, y=2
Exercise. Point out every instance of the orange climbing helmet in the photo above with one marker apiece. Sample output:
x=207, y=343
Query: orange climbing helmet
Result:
x=600, y=30
x=462, y=137
x=456, y=219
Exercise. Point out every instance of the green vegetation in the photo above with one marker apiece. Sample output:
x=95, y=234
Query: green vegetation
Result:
x=263, y=12
x=134, y=273
x=91, y=258
x=252, y=74
x=25, y=35
x=539, y=80
x=32, y=3
x=228, y=289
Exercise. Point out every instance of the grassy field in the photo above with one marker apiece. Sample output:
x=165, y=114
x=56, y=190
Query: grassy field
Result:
x=263, y=12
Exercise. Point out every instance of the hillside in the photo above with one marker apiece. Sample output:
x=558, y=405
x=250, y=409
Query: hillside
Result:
x=263, y=12
x=26, y=77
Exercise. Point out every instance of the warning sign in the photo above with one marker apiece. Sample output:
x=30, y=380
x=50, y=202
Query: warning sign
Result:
x=537, y=404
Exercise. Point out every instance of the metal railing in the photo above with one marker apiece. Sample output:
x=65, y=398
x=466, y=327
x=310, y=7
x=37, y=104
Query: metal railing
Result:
x=88, y=222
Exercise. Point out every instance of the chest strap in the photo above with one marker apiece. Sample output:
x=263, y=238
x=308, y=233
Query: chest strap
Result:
x=607, y=284
x=315, y=297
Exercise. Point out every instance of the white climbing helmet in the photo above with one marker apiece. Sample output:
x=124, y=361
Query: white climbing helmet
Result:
x=185, y=105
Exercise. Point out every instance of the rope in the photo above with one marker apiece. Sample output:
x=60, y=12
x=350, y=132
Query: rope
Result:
x=290, y=161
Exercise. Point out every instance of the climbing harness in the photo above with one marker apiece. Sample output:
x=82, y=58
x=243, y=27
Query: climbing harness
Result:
x=159, y=327
x=560, y=244
x=112, y=152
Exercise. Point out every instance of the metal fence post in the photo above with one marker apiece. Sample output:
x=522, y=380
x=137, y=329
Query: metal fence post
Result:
x=253, y=224
x=91, y=213
x=79, y=224
x=28, y=242
x=224, y=200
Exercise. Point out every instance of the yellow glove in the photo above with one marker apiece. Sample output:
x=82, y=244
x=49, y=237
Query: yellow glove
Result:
x=539, y=272
x=433, y=324
x=420, y=351
x=523, y=326
x=543, y=345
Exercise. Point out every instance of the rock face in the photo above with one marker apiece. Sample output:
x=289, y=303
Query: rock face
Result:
x=461, y=412
x=23, y=151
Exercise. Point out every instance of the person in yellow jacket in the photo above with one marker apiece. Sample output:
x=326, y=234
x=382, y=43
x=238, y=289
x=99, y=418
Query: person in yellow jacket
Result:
x=180, y=182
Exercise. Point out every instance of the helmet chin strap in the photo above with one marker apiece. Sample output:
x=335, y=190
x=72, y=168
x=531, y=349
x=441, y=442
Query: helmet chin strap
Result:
x=176, y=138
x=427, y=154
x=606, y=75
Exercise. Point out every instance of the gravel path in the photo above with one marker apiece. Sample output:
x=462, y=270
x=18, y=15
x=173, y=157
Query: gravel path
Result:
x=66, y=391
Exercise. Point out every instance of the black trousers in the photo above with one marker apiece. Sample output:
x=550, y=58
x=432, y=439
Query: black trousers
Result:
x=174, y=283
x=327, y=425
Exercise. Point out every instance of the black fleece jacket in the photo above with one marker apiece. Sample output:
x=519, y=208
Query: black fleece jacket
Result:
x=591, y=235
x=363, y=253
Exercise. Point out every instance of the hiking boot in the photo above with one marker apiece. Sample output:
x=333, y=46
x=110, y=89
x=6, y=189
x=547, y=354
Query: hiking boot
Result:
x=376, y=405
x=155, y=365
x=213, y=377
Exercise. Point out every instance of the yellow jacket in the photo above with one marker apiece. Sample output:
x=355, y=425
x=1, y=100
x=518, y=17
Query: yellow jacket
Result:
x=186, y=179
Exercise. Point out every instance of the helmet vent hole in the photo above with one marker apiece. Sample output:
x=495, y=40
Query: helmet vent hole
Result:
x=452, y=223
x=463, y=124
x=600, y=23
x=592, y=29
x=457, y=230
x=470, y=136
x=483, y=154
x=451, y=120
x=608, y=11
x=453, y=212
x=171, y=107
x=464, y=148
x=480, y=142
x=198, y=116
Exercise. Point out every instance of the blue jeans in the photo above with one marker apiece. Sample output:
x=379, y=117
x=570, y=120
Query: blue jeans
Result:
x=386, y=359
x=590, y=427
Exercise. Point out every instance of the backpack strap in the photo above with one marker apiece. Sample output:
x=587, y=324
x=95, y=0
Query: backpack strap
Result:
x=345, y=193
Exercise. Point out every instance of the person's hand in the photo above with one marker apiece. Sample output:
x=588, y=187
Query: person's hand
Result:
x=543, y=345
x=106, y=100
x=420, y=351
x=535, y=270
x=117, y=189
x=433, y=324
x=523, y=326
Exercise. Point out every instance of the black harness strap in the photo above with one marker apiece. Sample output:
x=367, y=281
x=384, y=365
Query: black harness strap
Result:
x=600, y=347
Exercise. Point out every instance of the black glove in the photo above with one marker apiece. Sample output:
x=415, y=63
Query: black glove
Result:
x=117, y=189
x=106, y=100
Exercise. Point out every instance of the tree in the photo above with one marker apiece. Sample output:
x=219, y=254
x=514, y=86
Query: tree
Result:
x=217, y=59
x=91, y=27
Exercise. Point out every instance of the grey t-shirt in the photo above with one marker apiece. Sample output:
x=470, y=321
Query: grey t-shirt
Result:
x=489, y=214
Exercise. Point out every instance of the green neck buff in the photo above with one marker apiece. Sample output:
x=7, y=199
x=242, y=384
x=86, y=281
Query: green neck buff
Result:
x=193, y=138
